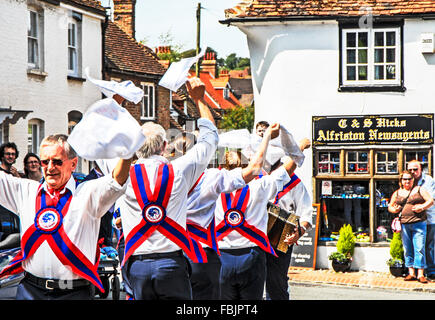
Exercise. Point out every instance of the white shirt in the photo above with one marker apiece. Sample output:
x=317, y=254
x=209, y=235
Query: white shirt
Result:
x=261, y=192
x=90, y=201
x=299, y=200
x=201, y=202
x=187, y=170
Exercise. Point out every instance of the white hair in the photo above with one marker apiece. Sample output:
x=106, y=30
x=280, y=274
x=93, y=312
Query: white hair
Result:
x=155, y=140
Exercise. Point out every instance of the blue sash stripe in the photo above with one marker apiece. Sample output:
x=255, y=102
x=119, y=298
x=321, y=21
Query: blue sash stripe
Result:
x=141, y=186
x=197, y=232
x=195, y=246
x=180, y=236
x=242, y=198
x=213, y=235
x=254, y=235
x=72, y=257
x=30, y=242
x=223, y=229
x=164, y=185
x=137, y=236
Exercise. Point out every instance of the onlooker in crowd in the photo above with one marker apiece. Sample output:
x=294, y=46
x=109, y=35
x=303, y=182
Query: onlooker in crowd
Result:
x=428, y=183
x=8, y=156
x=32, y=167
x=261, y=127
x=411, y=202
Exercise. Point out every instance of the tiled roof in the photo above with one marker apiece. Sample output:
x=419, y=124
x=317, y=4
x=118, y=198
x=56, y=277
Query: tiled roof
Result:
x=92, y=4
x=327, y=8
x=126, y=54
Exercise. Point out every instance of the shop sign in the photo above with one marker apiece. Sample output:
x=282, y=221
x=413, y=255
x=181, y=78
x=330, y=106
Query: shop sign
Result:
x=327, y=187
x=373, y=129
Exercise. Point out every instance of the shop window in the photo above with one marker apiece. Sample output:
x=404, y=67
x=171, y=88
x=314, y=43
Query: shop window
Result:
x=386, y=162
x=357, y=162
x=329, y=163
x=383, y=218
x=421, y=156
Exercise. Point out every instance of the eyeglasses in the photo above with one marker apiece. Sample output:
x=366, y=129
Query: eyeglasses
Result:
x=10, y=154
x=33, y=162
x=413, y=169
x=406, y=179
x=55, y=162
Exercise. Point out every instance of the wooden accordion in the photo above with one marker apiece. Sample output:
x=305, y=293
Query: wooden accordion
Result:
x=281, y=222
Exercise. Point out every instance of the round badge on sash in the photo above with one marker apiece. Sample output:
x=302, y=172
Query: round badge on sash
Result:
x=48, y=220
x=234, y=218
x=153, y=213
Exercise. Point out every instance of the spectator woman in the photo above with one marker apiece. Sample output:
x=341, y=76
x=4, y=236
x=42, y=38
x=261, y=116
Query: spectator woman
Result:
x=32, y=167
x=411, y=202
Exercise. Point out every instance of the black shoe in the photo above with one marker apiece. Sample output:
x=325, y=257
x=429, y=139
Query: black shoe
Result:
x=431, y=277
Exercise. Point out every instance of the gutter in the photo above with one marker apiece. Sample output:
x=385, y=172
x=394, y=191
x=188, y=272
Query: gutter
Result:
x=264, y=20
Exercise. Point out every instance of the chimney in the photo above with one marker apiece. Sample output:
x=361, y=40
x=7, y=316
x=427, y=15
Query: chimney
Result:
x=124, y=15
x=209, y=63
x=163, y=50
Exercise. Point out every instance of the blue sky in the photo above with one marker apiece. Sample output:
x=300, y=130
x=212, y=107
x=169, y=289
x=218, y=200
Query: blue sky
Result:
x=178, y=18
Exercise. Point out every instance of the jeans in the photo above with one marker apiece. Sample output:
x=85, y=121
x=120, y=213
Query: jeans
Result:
x=205, y=277
x=356, y=204
x=243, y=273
x=277, y=275
x=414, y=241
x=430, y=256
x=160, y=277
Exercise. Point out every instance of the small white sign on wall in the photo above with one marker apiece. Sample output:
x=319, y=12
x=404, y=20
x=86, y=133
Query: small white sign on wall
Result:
x=327, y=188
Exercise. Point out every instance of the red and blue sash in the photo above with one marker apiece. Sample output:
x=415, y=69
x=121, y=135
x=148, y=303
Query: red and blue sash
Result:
x=294, y=180
x=48, y=226
x=234, y=207
x=199, y=234
x=154, y=217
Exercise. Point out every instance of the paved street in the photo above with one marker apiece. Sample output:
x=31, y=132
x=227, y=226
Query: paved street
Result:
x=333, y=292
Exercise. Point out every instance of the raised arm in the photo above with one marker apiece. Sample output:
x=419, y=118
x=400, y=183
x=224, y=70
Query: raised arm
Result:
x=256, y=163
x=196, y=89
x=122, y=170
x=290, y=165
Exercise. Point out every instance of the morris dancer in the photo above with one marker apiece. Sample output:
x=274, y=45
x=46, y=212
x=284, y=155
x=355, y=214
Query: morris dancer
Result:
x=241, y=224
x=59, y=224
x=153, y=210
x=293, y=197
x=200, y=216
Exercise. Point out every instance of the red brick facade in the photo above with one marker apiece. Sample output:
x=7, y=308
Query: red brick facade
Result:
x=124, y=16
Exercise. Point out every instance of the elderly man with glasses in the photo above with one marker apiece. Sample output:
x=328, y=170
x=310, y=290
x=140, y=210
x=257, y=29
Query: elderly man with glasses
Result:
x=422, y=179
x=60, y=220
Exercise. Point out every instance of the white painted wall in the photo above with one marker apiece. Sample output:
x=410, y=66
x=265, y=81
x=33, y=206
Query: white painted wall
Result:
x=52, y=97
x=295, y=70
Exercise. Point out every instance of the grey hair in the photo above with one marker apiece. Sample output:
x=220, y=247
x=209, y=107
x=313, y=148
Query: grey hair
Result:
x=155, y=140
x=60, y=140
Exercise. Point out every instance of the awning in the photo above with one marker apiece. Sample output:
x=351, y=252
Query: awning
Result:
x=10, y=116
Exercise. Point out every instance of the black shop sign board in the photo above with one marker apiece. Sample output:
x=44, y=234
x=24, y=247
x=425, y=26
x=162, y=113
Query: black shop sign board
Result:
x=304, y=254
x=373, y=129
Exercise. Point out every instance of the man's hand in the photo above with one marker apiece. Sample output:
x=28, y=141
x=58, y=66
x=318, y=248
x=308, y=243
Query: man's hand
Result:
x=304, y=144
x=14, y=172
x=195, y=88
x=273, y=130
x=291, y=239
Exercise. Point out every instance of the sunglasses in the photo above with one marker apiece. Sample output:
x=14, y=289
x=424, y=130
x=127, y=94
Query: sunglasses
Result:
x=406, y=179
x=55, y=162
x=413, y=169
x=10, y=154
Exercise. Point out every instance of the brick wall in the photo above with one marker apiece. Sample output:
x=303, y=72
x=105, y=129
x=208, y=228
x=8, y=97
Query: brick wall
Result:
x=124, y=15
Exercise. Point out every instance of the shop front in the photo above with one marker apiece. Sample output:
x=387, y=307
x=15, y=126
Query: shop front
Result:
x=357, y=161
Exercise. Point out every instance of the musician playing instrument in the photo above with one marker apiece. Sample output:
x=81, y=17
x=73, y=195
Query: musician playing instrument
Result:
x=241, y=224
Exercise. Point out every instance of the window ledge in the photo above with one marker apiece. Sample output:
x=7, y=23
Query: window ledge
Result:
x=76, y=78
x=148, y=119
x=37, y=72
x=343, y=88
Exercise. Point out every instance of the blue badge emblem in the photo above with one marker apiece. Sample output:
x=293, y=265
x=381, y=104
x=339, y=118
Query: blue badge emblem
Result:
x=154, y=213
x=48, y=220
x=234, y=218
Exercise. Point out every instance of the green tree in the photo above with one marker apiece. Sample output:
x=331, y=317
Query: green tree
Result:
x=238, y=118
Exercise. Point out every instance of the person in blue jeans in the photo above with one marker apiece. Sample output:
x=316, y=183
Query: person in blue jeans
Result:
x=411, y=202
x=427, y=182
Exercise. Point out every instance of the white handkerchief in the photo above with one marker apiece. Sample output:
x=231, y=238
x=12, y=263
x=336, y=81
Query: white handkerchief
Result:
x=235, y=139
x=178, y=72
x=106, y=131
x=125, y=89
x=289, y=146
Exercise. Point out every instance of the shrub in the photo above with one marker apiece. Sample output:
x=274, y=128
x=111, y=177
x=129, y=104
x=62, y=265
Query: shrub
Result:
x=346, y=241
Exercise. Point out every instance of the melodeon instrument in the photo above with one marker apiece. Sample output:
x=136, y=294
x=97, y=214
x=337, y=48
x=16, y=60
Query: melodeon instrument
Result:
x=281, y=222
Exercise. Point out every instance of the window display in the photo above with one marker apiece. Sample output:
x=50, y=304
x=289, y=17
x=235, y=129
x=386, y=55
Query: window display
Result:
x=357, y=162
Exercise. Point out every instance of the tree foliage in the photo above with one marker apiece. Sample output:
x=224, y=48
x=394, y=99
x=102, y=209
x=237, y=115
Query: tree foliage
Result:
x=238, y=118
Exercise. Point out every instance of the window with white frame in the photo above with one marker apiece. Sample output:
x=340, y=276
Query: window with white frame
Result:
x=34, y=39
x=148, y=101
x=74, y=44
x=35, y=134
x=371, y=57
